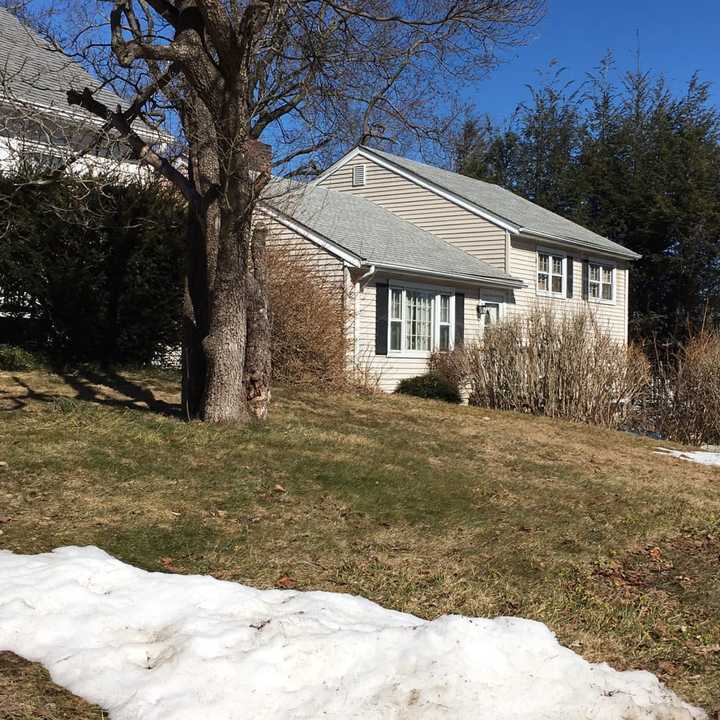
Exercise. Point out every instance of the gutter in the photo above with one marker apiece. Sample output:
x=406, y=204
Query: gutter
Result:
x=510, y=282
x=145, y=132
x=535, y=235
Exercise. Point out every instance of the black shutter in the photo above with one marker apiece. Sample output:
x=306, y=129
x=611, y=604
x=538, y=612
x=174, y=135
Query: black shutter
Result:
x=570, y=277
x=585, y=280
x=459, y=319
x=381, y=318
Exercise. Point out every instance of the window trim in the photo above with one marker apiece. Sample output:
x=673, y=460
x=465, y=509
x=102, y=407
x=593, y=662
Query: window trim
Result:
x=436, y=291
x=608, y=265
x=490, y=299
x=551, y=254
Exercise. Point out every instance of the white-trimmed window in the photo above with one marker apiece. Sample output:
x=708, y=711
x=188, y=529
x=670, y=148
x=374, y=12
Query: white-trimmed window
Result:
x=444, y=322
x=551, y=273
x=601, y=282
x=396, y=319
x=420, y=320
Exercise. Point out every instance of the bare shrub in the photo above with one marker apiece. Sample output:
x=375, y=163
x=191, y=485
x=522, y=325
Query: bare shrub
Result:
x=685, y=398
x=453, y=366
x=559, y=366
x=365, y=377
x=309, y=322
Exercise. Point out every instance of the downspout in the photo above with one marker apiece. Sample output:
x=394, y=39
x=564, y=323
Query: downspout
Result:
x=367, y=275
x=508, y=250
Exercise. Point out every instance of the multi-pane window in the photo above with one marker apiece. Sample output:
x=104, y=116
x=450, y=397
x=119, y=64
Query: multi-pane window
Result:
x=444, y=322
x=396, y=316
x=420, y=320
x=551, y=273
x=601, y=282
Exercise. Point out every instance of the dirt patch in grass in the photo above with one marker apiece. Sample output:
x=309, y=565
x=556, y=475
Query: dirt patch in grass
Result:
x=26, y=692
x=672, y=587
x=421, y=506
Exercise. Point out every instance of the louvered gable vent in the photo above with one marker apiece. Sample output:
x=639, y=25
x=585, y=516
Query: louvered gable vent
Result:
x=358, y=175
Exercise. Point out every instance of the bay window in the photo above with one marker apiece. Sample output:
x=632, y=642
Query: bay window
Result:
x=420, y=320
x=601, y=282
x=550, y=273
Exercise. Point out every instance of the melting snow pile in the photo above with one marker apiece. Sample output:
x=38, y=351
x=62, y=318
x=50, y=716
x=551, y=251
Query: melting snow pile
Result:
x=151, y=646
x=699, y=456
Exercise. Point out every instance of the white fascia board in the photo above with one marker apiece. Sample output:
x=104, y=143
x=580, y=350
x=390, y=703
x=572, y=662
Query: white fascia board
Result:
x=145, y=132
x=421, y=182
x=474, y=279
x=320, y=240
x=535, y=235
x=337, y=165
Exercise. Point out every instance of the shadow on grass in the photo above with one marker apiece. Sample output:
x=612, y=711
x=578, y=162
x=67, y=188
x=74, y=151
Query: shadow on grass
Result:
x=89, y=385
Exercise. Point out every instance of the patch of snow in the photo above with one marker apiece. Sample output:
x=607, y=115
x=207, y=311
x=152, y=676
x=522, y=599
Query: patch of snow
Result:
x=697, y=456
x=158, y=646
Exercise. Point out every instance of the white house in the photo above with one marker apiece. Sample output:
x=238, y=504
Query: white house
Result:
x=429, y=257
x=36, y=123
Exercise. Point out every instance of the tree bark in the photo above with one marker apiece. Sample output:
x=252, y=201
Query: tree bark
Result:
x=224, y=345
x=258, y=353
x=226, y=325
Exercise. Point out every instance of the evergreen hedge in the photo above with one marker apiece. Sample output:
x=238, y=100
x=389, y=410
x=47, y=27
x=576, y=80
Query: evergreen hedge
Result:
x=90, y=269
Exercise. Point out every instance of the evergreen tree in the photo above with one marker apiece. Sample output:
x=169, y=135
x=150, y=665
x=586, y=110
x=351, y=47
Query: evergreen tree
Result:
x=633, y=163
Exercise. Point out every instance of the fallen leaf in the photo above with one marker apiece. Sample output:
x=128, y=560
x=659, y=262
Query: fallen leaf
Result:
x=5, y=519
x=167, y=563
x=709, y=649
x=285, y=583
x=279, y=488
x=655, y=553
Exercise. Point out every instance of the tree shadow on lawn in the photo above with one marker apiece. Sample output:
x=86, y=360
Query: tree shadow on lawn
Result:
x=92, y=386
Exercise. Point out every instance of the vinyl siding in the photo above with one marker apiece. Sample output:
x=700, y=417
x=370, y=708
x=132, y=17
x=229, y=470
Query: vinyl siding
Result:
x=523, y=265
x=295, y=245
x=391, y=369
x=423, y=208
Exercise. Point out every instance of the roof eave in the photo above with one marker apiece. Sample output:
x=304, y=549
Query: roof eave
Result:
x=508, y=283
x=347, y=256
x=625, y=254
x=148, y=135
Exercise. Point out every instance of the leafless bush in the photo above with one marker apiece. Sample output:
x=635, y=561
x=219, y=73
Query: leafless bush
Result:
x=309, y=321
x=684, y=403
x=559, y=366
x=453, y=366
x=364, y=376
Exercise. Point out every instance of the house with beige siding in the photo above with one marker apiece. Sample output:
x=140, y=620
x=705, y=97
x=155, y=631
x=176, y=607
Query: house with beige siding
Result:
x=427, y=258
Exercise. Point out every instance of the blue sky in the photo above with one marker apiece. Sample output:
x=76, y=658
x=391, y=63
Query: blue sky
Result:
x=676, y=39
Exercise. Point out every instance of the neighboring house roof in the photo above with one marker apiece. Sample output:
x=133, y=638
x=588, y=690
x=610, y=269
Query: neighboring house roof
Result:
x=32, y=71
x=373, y=235
x=523, y=216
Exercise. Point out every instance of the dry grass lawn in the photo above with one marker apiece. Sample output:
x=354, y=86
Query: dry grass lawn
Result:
x=420, y=506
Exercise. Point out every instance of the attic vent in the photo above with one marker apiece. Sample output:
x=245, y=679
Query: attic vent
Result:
x=358, y=175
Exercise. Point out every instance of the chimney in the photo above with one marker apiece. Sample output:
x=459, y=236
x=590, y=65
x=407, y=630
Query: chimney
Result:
x=259, y=155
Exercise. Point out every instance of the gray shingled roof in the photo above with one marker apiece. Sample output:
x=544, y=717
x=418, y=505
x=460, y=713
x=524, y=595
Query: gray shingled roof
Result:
x=32, y=71
x=515, y=210
x=375, y=236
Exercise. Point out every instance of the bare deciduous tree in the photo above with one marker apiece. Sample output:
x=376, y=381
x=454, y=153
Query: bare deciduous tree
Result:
x=303, y=76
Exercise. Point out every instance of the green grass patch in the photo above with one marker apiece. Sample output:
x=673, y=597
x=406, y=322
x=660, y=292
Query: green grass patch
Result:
x=419, y=505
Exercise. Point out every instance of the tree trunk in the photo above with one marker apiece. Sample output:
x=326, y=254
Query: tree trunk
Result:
x=258, y=356
x=226, y=328
x=224, y=345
